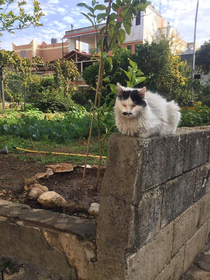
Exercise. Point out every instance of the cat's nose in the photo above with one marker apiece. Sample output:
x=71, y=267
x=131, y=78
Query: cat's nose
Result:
x=125, y=113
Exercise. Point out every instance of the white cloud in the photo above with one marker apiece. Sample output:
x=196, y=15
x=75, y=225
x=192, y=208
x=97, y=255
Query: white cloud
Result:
x=53, y=1
x=69, y=19
x=60, y=25
x=62, y=11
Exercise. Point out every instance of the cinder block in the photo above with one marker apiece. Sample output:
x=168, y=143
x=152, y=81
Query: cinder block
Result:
x=196, y=148
x=185, y=226
x=204, y=208
x=148, y=216
x=202, y=181
x=177, y=196
x=194, y=246
x=162, y=160
x=123, y=162
x=150, y=260
x=174, y=269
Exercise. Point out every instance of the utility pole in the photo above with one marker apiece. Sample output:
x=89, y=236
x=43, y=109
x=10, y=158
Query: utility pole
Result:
x=193, y=61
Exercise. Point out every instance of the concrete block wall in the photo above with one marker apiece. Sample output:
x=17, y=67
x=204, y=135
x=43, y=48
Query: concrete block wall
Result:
x=155, y=206
x=42, y=245
x=154, y=217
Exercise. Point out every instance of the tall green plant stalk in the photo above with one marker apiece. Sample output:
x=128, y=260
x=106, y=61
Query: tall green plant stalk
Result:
x=91, y=125
x=99, y=86
x=113, y=28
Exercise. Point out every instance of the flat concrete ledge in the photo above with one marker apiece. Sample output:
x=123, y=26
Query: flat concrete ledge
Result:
x=84, y=229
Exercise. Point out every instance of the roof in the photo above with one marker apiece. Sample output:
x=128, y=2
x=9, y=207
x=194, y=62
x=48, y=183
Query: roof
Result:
x=78, y=56
x=83, y=31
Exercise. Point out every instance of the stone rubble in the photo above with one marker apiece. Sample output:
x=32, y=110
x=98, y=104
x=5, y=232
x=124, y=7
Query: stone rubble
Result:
x=94, y=209
x=50, y=199
x=61, y=167
x=42, y=176
x=200, y=269
x=34, y=193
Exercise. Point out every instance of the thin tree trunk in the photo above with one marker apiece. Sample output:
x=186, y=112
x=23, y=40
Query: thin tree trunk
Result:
x=99, y=85
x=2, y=90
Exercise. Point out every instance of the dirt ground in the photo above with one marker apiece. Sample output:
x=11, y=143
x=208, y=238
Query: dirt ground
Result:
x=14, y=171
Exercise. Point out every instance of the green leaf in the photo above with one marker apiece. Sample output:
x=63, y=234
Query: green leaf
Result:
x=127, y=26
x=102, y=30
x=104, y=55
x=86, y=6
x=113, y=88
x=121, y=36
x=101, y=16
x=100, y=7
x=85, y=15
x=115, y=7
x=109, y=59
x=111, y=30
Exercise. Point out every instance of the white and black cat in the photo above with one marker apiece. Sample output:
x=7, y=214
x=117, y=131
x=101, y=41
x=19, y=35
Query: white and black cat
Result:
x=142, y=113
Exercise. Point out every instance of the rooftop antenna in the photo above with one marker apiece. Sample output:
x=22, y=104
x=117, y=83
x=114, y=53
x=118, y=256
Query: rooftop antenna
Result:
x=160, y=4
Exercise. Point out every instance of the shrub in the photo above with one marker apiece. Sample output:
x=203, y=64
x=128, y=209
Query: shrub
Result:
x=57, y=128
x=200, y=116
x=83, y=97
x=50, y=100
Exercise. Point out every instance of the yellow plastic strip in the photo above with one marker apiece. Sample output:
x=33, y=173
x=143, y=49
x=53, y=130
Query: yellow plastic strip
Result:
x=58, y=153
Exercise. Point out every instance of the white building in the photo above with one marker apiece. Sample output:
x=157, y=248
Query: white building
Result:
x=143, y=29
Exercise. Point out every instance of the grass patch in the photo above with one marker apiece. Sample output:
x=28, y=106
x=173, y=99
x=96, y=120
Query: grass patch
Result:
x=76, y=147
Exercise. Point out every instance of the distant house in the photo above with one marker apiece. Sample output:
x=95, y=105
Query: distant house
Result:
x=187, y=56
x=144, y=27
x=48, y=52
x=82, y=60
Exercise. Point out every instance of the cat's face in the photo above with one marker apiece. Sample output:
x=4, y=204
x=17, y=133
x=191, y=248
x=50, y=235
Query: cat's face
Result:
x=130, y=102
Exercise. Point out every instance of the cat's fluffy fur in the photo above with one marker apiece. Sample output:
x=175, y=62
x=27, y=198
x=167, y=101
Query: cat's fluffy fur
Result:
x=142, y=113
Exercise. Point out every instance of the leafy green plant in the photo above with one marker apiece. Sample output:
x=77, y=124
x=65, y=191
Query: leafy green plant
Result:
x=51, y=100
x=134, y=75
x=200, y=116
x=14, y=15
x=58, y=128
x=114, y=30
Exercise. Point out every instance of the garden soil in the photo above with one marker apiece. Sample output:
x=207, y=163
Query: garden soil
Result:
x=14, y=171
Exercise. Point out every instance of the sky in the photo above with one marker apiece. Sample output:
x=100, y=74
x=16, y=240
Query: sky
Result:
x=61, y=14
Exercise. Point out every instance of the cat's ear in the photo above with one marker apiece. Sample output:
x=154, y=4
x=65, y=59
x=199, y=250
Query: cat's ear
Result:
x=142, y=92
x=120, y=91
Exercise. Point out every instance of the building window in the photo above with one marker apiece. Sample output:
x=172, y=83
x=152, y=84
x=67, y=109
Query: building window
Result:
x=197, y=77
x=138, y=18
x=129, y=47
x=22, y=54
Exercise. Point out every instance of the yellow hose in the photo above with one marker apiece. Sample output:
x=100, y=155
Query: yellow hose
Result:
x=57, y=153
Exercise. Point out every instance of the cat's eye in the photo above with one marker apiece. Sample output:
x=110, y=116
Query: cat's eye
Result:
x=124, y=105
x=133, y=106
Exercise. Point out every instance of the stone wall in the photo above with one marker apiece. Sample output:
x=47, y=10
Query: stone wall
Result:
x=155, y=206
x=154, y=217
x=42, y=245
